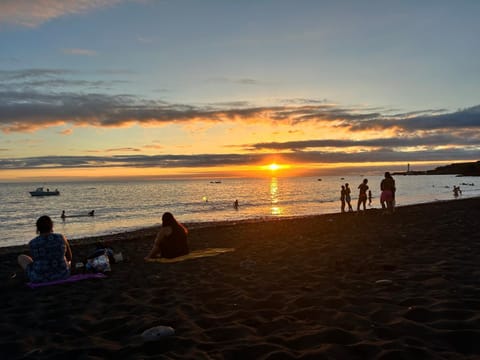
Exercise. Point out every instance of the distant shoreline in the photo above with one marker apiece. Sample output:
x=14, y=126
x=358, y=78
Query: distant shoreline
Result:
x=458, y=169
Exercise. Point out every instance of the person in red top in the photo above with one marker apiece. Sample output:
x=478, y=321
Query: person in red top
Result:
x=171, y=240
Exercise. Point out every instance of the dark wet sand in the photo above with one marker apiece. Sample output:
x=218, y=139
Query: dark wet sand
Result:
x=292, y=289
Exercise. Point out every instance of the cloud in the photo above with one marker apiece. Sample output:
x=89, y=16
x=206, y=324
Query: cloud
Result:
x=66, y=132
x=124, y=149
x=29, y=109
x=460, y=140
x=466, y=118
x=29, y=102
x=32, y=13
x=247, y=81
x=144, y=40
x=241, y=81
x=160, y=161
x=232, y=104
x=303, y=101
x=82, y=52
x=213, y=160
x=16, y=75
x=48, y=79
x=154, y=147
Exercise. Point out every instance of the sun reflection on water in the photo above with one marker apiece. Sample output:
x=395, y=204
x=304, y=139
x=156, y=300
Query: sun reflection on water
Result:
x=275, y=209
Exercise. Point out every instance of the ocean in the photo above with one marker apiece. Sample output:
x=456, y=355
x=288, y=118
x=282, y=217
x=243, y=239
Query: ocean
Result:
x=128, y=205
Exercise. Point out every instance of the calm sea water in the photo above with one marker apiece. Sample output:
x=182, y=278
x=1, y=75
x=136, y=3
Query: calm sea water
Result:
x=121, y=206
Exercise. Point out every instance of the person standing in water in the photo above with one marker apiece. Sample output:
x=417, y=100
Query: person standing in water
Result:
x=362, y=196
x=456, y=191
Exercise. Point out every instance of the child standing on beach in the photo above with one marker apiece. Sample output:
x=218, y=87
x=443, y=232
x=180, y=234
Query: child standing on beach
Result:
x=362, y=196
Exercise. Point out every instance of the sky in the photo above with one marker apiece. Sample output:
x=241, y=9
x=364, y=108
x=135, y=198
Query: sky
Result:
x=181, y=88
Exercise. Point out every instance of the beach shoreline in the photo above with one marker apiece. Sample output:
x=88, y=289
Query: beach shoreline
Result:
x=150, y=231
x=293, y=196
x=346, y=286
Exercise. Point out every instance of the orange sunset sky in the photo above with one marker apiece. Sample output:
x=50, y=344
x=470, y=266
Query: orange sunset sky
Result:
x=119, y=88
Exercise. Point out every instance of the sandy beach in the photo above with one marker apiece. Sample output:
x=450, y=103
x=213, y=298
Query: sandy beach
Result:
x=305, y=288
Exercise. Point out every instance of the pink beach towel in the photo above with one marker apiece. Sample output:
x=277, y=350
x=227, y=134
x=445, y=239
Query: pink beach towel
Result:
x=73, y=278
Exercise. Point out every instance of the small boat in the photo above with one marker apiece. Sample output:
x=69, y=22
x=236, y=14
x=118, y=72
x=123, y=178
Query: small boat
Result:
x=64, y=216
x=41, y=192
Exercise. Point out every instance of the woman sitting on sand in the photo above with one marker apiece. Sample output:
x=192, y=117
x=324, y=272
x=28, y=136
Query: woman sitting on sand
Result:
x=51, y=254
x=171, y=240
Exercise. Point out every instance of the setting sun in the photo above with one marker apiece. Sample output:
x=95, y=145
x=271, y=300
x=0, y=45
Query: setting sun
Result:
x=274, y=167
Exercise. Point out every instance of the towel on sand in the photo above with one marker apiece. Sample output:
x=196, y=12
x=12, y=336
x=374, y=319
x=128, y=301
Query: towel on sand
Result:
x=195, y=254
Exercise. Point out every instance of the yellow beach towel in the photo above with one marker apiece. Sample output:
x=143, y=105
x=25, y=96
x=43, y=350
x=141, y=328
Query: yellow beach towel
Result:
x=195, y=254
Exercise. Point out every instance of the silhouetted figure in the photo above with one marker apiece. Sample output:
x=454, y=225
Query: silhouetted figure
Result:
x=50, y=252
x=456, y=191
x=369, y=197
x=235, y=204
x=343, y=194
x=388, y=193
x=348, y=198
x=362, y=196
x=171, y=240
x=91, y=213
x=63, y=216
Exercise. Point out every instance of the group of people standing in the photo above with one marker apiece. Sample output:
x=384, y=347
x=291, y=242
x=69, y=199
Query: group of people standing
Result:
x=387, y=196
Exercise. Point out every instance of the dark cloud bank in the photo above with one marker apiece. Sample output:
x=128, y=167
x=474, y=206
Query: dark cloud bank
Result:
x=29, y=100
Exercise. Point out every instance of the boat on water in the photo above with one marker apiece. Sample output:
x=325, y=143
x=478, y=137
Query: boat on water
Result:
x=41, y=192
x=64, y=216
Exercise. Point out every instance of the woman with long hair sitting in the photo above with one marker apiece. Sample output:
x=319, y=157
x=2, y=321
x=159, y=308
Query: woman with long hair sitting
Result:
x=171, y=240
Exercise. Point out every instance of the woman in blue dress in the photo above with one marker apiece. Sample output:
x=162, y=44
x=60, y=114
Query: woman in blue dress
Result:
x=51, y=255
